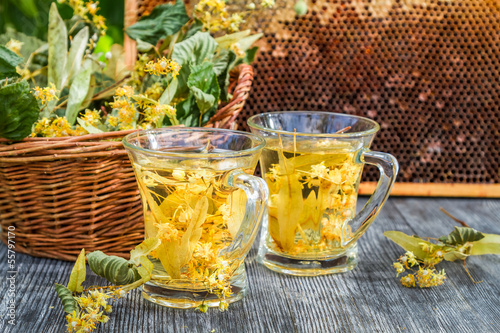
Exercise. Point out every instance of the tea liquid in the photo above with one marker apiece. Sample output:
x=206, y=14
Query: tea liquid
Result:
x=195, y=217
x=313, y=190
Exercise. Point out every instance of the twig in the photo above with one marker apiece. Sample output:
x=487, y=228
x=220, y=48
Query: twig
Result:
x=345, y=129
x=470, y=276
x=454, y=218
x=114, y=85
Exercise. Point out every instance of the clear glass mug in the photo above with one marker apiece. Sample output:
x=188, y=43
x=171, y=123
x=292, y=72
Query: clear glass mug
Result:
x=201, y=200
x=312, y=164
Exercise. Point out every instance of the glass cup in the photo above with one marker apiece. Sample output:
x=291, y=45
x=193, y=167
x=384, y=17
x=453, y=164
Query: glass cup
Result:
x=201, y=200
x=312, y=164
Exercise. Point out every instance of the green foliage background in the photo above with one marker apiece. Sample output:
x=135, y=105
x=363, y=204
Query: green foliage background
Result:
x=31, y=17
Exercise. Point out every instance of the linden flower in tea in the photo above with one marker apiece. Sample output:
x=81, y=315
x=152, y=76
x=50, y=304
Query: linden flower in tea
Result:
x=313, y=192
x=195, y=218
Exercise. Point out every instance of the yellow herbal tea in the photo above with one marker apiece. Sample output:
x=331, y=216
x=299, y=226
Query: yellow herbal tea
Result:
x=312, y=194
x=312, y=164
x=196, y=218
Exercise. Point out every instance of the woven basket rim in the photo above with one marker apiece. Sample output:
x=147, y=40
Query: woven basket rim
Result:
x=35, y=149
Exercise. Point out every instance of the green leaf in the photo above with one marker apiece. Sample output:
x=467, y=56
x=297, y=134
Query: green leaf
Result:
x=78, y=91
x=250, y=55
x=408, y=243
x=114, y=269
x=144, y=249
x=224, y=77
x=197, y=26
x=192, y=51
x=145, y=269
x=247, y=42
x=78, y=274
x=187, y=112
x=204, y=78
x=8, y=62
x=75, y=56
x=195, y=50
x=461, y=235
x=226, y=41
x=490, y=244
x=203, y=100
x=58, y=47
x=28, y=7
x=67, y=299
x=221, y=61
x=205, y=89
x=455, y=255
x=143, y=46
x=18, y=110
x=164, y=20
x=169, y=93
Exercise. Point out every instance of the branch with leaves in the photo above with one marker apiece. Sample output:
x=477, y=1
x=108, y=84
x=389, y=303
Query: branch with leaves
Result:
x=69, y=87
x=423, y=254
x=86, y=308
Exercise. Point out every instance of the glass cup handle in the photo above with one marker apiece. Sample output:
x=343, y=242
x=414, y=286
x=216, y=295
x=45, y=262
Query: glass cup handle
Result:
x=257, y=195
x=388, y=167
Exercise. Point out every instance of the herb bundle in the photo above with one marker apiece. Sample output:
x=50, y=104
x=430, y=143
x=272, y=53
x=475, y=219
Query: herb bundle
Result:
x=423, y=254
x=68, y=86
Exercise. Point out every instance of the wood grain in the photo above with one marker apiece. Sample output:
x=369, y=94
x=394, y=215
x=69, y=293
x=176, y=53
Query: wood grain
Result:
x=368, y=299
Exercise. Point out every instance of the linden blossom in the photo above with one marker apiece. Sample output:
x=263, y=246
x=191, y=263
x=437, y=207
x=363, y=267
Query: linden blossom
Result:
x=422, y=256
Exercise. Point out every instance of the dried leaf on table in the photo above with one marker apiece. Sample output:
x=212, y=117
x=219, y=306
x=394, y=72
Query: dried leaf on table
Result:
x=78, y=274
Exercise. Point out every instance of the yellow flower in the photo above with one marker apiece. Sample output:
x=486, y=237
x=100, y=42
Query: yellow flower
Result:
x=91, y=117
x=234, y=22
x=155, y=91
x=178, y=174
x=166, y=231
x=121, y=103
x=237, y=50
x=163, y=66
x=14, y=45
x=426, y=247
x=79, y=130
x=438, y=254
x=56, y=127
x=112, y=121
x=412, y=260
x=319, y=170
x=274, y=172
x=100, y=23
x=399, y=267
x=203, y=176
x=408, y=281
x=92, y=7
x=46, y=94
x=126, y=117
x=204, y=251
x=429, y=277
x=335, y=176
x=127, y=91
x=439, y=277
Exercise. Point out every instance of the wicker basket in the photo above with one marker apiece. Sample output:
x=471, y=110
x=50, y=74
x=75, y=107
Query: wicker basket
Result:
x=59, y=195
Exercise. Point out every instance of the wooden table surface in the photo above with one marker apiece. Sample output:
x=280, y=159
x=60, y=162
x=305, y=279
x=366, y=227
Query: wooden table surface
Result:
x=368, y=299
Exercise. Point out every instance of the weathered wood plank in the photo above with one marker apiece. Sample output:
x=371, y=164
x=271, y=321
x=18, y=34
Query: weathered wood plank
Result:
x=368, y=299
